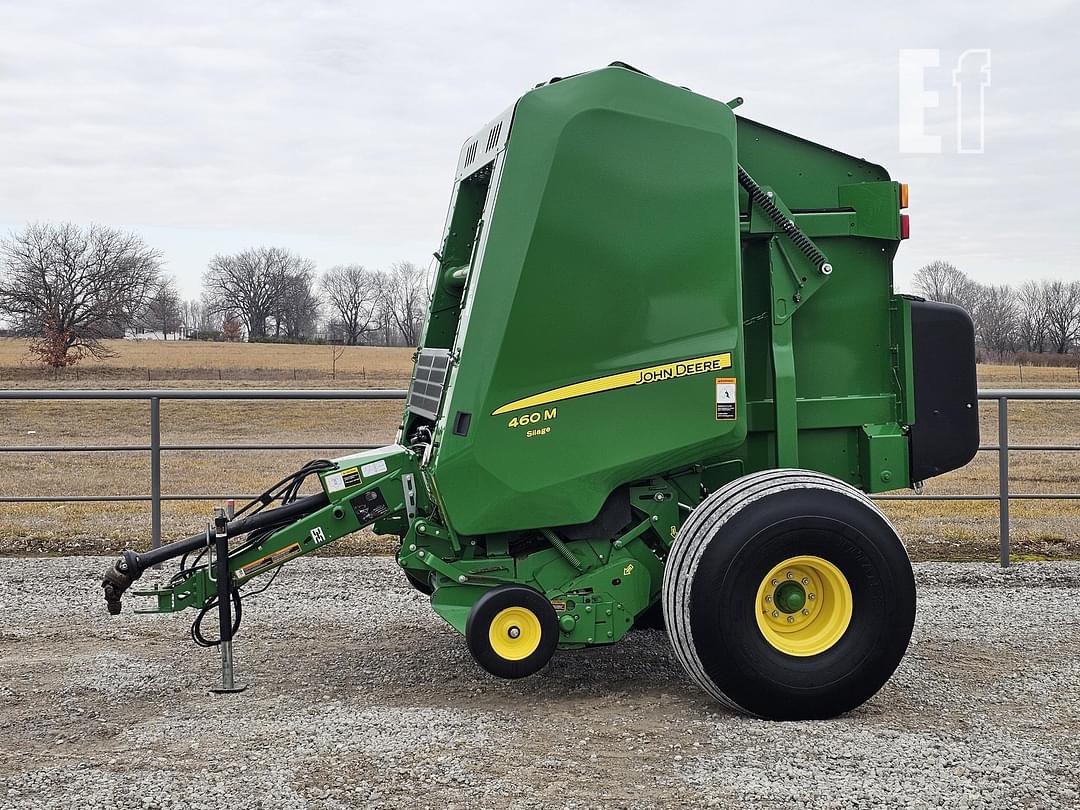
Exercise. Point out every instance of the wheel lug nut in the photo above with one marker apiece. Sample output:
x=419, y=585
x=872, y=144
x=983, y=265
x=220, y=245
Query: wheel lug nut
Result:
x=805, y=612
x=776, y=582
x=811, y=596
x=768, y=598
x=775, y=614
x=789, y=575
x=805, y=580
x=790, y=619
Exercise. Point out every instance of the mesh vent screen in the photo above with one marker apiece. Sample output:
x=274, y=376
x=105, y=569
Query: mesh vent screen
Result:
x=428, y=382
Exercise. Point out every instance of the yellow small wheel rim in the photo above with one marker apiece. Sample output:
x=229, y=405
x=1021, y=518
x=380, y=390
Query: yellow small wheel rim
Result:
x=514, y=633
x=804, y=606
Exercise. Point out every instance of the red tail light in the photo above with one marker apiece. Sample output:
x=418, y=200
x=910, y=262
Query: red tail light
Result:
x=905, y=226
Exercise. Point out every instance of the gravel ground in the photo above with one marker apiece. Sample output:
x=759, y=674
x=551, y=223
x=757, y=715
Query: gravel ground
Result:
x=358, y=696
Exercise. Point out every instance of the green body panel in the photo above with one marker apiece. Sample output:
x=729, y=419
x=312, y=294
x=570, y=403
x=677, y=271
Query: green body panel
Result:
x=602, y=249
x=843, y=337
x=902, y=357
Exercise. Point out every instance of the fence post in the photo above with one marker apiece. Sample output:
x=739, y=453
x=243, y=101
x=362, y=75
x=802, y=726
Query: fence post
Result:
x=155, y=472
x=1003, y=479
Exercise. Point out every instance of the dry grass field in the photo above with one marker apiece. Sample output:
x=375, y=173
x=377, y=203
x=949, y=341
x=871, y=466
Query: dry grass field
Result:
x=150, y=361
x=934, y=530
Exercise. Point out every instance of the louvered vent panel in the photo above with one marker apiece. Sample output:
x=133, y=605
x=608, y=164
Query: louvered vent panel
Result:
x=429, y=381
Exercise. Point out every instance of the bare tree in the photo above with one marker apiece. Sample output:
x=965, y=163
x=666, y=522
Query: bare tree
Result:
x=163, y=308
x=1034, y=316
x=252, y=284
x=336, y=350
x=404, y=300
x=209, y=321
x=385, y=333
x=199, y=320
x=1063, y=314
x=335, y=330
x=942, y=281
x=67, y=287
x=354, y=296
x=298, y=306
x=189, y=317
x=997, y=318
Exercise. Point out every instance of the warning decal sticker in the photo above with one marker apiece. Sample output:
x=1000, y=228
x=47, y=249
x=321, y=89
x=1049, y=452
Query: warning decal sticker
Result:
x=725, y=398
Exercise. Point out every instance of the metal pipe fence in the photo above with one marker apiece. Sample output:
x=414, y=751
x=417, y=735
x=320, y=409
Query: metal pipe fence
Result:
x=1003, y=496
x=155, y=448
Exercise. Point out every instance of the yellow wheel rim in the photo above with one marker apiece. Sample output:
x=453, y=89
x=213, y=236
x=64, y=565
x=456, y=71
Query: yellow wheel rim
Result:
x=804, y=606
x=514, y=633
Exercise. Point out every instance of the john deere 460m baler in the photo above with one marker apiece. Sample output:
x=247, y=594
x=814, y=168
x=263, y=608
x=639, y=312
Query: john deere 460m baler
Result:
x=663, y=366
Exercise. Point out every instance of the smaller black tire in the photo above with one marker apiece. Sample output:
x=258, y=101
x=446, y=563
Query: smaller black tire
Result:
x=421, y=584
x=512, y=631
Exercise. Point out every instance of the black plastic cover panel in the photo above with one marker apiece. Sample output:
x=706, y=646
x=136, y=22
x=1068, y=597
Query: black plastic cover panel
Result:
x=945, y=435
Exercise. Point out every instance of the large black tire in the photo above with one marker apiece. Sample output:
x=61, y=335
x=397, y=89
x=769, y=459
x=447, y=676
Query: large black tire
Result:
x=491, y=637
x=722, y=562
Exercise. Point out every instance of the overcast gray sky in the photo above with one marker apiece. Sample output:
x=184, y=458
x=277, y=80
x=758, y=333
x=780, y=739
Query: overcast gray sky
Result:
x=333, y=128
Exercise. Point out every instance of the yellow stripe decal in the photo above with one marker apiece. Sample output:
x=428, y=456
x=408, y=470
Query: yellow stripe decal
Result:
x=624, y=379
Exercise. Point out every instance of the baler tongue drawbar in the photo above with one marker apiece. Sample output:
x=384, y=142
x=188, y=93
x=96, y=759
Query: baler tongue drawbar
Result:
x=212, y=573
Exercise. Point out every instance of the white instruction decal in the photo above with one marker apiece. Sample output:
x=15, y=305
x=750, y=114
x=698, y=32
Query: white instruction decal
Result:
x=335, y=482
x=725, y=398
x=374, y=468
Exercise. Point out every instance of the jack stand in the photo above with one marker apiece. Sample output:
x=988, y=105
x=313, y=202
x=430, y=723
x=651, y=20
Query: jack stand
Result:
x=227, y=684
x=224, y=597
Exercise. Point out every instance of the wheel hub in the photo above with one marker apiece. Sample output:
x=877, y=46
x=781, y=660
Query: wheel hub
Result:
x=789, y=597
x=514, y=633
x=804, y=606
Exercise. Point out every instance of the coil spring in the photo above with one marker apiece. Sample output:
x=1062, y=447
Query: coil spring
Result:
x=562, y=548
x=785, y=225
